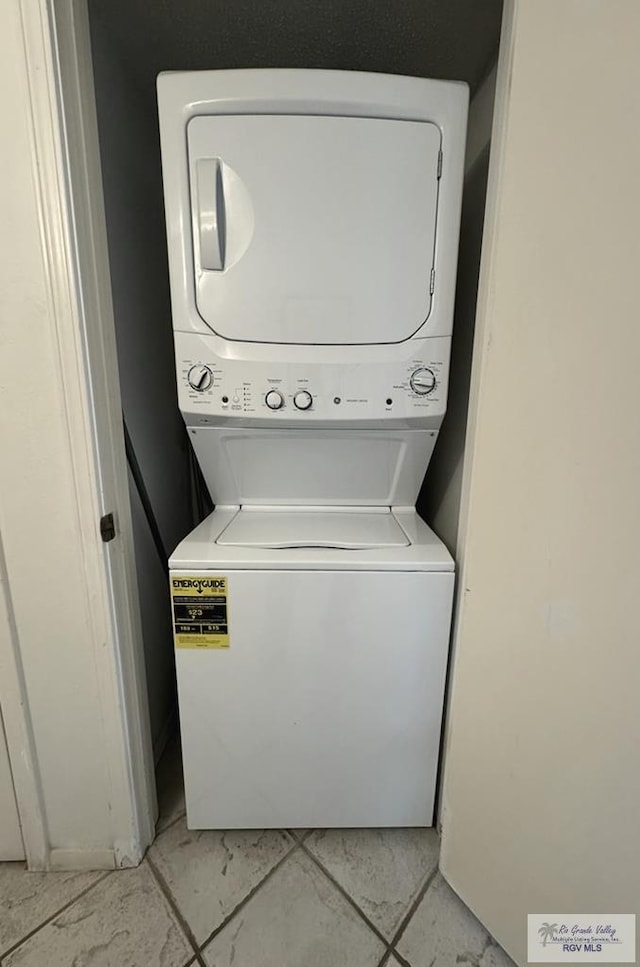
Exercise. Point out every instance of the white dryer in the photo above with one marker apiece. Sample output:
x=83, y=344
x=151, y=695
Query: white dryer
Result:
x=312, y=222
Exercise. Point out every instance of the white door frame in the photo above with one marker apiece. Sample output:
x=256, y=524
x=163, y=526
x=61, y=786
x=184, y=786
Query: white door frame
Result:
x=72, y=684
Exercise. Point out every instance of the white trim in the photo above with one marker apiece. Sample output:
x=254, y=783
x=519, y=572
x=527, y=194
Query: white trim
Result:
x=19, y=734
x=11, y=844
x=131, y=735
x=68, y=194
x=82, y=859
x=481, y=342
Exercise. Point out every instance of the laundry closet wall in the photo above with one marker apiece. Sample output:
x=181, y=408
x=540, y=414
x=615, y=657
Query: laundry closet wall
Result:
x=140, y=291
x=439, y=501
x=541, y=791
x=132, y=40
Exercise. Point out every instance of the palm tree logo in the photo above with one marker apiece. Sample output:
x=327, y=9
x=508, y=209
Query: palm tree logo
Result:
x=547, y=932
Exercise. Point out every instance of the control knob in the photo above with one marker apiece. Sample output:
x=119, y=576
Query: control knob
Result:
x=200, y=378
x=302, y=400
x=274, y=399
x=423, y=381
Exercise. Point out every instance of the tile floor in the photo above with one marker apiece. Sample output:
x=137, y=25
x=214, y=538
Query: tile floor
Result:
x=275, y=898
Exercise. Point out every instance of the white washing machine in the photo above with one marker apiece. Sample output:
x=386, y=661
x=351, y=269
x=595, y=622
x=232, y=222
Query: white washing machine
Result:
x=312, y=222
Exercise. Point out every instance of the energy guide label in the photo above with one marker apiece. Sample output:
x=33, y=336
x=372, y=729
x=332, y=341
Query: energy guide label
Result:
x=200, y=611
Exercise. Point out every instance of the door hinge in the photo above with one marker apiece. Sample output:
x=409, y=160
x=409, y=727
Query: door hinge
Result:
x=107, y=528
x=432, y=281
x=439, y=163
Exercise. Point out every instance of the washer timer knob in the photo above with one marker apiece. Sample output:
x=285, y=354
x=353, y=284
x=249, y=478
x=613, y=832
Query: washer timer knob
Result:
x=423, y=381
x=302, y=400
x=274, y=399
x=200, y=378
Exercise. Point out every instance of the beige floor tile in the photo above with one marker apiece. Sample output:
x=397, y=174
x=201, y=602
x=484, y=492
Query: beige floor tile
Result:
x=28, y=899
x=297, y=918
x=210, y=872
x=381, y=869
x=170, y=784
x=494, y=956
x=443, y=931
x=124, y=920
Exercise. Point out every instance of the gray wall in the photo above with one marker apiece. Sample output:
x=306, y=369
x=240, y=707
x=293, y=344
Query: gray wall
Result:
x=439, y=501
x=450, y=39
x=137, y=254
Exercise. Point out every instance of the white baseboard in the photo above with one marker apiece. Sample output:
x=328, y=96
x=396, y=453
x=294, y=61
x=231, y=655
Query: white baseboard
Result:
x=92, y=858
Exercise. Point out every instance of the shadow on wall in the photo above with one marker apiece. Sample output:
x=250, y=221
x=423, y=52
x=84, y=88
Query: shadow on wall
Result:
x=449, y=39
x=439, y=499
x=130, y=160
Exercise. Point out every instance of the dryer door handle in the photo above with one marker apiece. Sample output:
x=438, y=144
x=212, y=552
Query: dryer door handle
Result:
x=210, y=215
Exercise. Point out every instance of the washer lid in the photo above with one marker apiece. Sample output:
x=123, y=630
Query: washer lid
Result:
x=313, y=230
x=293, y=528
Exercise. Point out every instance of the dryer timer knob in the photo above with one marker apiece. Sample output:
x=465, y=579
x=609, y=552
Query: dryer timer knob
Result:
x=303, y=400
x=423, y=381
x=200, y=378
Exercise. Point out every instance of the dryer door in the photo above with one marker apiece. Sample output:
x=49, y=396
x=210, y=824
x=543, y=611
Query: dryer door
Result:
x=313, y=230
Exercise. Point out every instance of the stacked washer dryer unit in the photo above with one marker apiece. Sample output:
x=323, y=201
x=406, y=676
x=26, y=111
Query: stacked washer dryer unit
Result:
x=312, y=221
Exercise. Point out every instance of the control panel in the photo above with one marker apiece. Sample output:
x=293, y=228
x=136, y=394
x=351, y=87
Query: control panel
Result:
x=253, y=389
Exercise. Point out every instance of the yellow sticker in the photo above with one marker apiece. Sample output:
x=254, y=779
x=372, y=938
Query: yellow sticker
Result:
x=200, y=611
